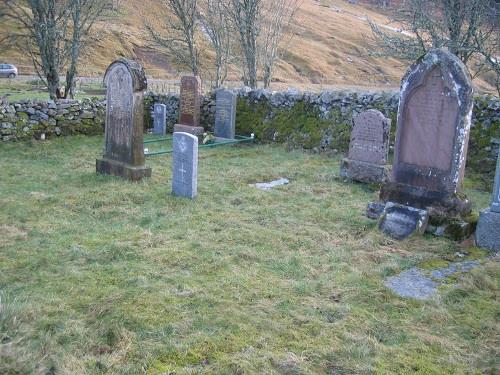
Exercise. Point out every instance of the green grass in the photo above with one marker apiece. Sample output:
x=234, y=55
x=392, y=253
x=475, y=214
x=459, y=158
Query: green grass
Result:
x=102, y=276
x=16, y=90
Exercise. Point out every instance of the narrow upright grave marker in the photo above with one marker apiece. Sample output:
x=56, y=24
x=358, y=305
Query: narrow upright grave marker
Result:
x=185, y=165
x=124, y=150
x=225, y=114
x=159, y=119
x=189, y=106
x=488, y=226
x=434, y=120
x=368, y=148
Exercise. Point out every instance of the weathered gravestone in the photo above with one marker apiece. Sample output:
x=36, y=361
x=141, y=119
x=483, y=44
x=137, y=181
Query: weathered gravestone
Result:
x=488, y=226
x=124, y=150
x=159, y=119
x=185, y=165
x=189, y=106
x=368, y=148
x=434, y=119
x=225, y=114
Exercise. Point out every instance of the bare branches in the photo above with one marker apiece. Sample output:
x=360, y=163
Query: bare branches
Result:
x=468, y=28
x=179, y=36
x=216, y=25
x=247, y=19
x=53, y=35
x=277, y=17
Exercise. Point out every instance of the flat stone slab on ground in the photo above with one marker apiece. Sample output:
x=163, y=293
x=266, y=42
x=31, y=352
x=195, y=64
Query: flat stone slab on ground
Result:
x=413, y=284
x=421, y=284
x=272, y=184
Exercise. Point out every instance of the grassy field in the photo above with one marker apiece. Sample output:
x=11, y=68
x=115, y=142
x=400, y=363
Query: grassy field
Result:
x=17, y=89
x=101, y=276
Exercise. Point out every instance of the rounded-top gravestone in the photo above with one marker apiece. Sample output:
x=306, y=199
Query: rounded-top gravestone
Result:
x=368, y=148
x=433, y=126
x=124, y=150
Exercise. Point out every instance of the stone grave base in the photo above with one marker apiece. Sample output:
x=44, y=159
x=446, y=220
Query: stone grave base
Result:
x=454, y=228
x=194, y=130
x=488, y=230
x=437, y=202
x=364, y=172
x=399, y=221
x=127, y=172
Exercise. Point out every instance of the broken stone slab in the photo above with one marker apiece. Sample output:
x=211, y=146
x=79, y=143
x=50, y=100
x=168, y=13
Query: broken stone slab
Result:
x=269, y=185
x=374, y=210
x=399, y=221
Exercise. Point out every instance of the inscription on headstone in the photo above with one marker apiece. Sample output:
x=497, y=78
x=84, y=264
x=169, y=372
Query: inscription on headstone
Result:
x=189, y=108
x=123, y=151
x=225, y=114
x=370, y=137
x=185, y=165
x=160, y=119
x=368, y=148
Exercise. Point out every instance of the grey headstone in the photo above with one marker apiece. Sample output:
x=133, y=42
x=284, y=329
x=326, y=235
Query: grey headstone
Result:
x=225, y=114
x=495, y=204
x=488, y=226
x=399, y=221
x=488, y=230
x=185, y=165
x=160, y=119
x=370, y=137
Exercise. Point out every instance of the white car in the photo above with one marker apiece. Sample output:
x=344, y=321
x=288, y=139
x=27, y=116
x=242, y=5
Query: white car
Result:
x=8, y=71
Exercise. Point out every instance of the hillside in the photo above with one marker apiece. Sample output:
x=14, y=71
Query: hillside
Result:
x=330, y=46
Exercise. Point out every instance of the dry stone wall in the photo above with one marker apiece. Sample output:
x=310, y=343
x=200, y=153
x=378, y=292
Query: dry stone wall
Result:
x=320, y=122
x=27, y=119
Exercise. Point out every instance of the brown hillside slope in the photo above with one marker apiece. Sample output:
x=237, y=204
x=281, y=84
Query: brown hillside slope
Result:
x=330, y=46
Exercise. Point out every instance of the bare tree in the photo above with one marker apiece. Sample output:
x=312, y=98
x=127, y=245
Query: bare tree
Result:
x=247, y=19
x=276, y=18
x=216, y=24
x=52, y=32
x=468, y=28
x=179, y=34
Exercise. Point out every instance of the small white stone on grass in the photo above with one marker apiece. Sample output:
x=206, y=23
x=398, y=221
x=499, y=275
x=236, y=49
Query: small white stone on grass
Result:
x=270, y=185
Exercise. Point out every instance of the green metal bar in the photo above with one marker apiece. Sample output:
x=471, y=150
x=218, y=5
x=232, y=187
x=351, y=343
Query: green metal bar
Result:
x=158, y=140
x=238, y=139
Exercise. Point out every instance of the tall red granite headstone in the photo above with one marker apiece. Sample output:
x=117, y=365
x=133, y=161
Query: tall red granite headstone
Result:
x=189, y=106
x=124, y=149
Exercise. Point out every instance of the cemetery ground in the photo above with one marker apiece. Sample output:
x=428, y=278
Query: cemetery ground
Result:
x=32, y=88
x=103, y=276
